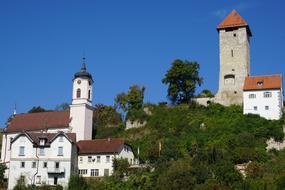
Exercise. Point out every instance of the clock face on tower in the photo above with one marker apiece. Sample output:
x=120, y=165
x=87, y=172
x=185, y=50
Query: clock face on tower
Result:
x=79, y=82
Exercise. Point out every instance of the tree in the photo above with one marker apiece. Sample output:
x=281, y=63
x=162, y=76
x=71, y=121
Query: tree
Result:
x=62, y=107
x=37, y=109
x=206, y=94
x=121, y=167
x=182, y=78
x=132, y=102
x=77, y=182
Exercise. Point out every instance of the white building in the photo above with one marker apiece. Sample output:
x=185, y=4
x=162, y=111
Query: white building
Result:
x=95, y=157
x=42, y=158
x=263, y=95
x=78, y=120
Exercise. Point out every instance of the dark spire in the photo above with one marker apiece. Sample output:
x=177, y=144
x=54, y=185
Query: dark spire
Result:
x=83, y=73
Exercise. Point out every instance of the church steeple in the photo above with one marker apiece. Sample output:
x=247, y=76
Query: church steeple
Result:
x=81, y=111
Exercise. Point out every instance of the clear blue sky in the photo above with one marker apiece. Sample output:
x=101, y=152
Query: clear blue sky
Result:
x=125, y=42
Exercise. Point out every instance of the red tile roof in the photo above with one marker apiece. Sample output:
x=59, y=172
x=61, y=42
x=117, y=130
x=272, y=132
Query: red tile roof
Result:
x=233, y=20
x=38, y=121
x=263, y=82
x=100, y=146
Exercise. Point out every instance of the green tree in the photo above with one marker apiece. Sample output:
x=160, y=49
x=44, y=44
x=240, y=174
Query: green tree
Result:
x=62, y=107
x=182, y=79
x=37, y=109
x=77, y=182
x=206, y=94
x=132, y=102
x=121, y=167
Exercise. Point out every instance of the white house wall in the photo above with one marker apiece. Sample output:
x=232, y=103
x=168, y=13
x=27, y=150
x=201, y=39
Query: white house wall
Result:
x=275, y=103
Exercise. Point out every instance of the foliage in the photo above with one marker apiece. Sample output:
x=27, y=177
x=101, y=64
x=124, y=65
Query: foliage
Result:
x=37, y=109
x=106, y=116
x=77, y=182
x=62, y=107
x=182, y=79
x=205, y=94
x=200, y=147
x=132, y=102
x=121, y=167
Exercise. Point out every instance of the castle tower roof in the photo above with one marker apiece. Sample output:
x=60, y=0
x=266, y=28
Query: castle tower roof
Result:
x=233, y=20
x=83, y=73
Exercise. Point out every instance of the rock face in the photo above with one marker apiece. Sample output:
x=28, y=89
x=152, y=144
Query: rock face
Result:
x=272, y=144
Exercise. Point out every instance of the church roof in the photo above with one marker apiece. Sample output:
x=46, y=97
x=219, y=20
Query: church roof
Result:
x=83, y=72
x=99, y=146
x=38, y=121
x=269, y=82
x=233, y=20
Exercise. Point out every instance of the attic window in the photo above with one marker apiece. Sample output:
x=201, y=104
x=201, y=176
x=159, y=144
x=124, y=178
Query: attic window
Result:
x=42, y=141
x=259, y=83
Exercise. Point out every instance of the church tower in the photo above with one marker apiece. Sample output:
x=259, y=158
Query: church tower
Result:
x=81, y=110
x=234, y=38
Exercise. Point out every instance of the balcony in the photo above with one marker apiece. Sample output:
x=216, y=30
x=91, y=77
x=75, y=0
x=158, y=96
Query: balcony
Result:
x=59, y=170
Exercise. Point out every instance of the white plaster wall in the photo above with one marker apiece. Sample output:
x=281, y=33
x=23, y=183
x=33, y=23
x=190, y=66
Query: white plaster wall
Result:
x=81, y=121
x=50, y=157
x=84, y=87
x=128, y=154
x=275, y=104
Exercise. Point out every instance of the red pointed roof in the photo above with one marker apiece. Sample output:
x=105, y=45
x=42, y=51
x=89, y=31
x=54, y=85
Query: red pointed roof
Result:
x=233, y=20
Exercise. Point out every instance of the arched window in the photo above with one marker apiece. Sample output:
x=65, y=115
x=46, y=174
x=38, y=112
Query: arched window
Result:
x=229, y=79
x=78, y=93
x=89, y=94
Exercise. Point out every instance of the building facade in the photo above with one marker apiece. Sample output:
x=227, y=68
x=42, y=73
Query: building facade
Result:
x=263, y=95
x=95, y=157
x=42, y=158
x=234, y=43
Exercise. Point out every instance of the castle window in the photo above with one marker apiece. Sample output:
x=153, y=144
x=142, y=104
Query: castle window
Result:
x=234, y=34
x=78, y=93
x=232, y=52
x=229, y=79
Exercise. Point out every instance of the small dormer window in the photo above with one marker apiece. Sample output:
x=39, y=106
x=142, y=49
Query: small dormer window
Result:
x=42, y=142
x=260, y=83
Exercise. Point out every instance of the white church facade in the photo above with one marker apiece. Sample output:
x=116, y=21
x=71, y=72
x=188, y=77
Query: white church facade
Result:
x=42, y=148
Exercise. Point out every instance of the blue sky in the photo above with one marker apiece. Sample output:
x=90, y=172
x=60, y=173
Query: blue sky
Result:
x=125, y=42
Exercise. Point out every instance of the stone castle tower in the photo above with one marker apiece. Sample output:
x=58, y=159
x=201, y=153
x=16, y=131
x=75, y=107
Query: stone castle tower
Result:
x=234, y=35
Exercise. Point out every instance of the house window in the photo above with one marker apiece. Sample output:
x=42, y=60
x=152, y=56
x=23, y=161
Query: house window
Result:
x=81, y=159
x=34, y=164
x=266, y=107
x=56, y=165
x=60, y=139
x=22, y=164
x=38, y=181
x=89, y=158
x=106, y=172
x=45, y=165
x=83, y=172
x=98, y=159
x=42, y=151
x=107, y=159
x=267, y=94
x=78, y=93
x=94, y=172
x=60, y=151
x=255, y=108
x=21, y=151
x=22, y=179
x=251, y=96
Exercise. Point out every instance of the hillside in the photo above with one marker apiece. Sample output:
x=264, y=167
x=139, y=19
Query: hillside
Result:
x=200, y=147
